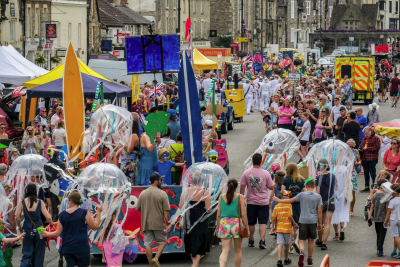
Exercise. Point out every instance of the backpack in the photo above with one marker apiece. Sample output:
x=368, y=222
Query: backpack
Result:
x=294, y=189
x=179, y=158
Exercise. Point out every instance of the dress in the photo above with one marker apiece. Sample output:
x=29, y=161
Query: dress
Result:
x=147, y=161
x=196, y=242
x=342, y=205
x=130, y=165
x=111, y=260
x=354, y=174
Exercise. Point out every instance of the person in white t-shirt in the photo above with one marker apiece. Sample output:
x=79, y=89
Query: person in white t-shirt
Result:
x=265, y=95
x=56, y=117
x=273, y=110
x=59, y=138
x=335, y=112
x=249, y=94
x=304, y=136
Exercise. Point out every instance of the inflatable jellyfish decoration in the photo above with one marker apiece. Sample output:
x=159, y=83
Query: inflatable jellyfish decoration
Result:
x=110, y=126
x=23, y=170
x=276, y=147
x=201, y=180
x=105, y=185
x=331, y=162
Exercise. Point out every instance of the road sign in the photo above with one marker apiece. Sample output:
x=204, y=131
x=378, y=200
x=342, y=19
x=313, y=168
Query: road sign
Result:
x=351, y=39
x=241, y=39
x=294, y=76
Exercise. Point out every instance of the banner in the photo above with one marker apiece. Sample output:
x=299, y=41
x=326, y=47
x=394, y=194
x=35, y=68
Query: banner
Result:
x=135, y=87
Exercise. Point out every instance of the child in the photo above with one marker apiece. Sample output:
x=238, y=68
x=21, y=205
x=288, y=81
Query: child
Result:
x=278, y=178
x=392, y=214
x=6, y=240
x=383, y=175
x=378, y=210
x=39, y=147
x=46, y=144
x=163, y=165
x=112, y=260
x=282, y=220
x=311, y=214
x=266, y=119
x=14, y=155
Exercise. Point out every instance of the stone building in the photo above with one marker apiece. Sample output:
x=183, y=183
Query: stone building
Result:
x=148, y=9
x=246, y=13
x=94, y=27
x=11, y=23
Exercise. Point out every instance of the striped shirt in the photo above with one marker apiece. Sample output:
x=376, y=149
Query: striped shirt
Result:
x=282, y=212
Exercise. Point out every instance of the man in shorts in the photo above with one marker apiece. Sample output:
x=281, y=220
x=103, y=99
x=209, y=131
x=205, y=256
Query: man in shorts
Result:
x=394, y=91
x=310, y=218
x=153, y=203
x=257, y=181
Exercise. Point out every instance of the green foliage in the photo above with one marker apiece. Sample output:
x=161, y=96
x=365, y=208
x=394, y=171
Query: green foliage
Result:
x=40, y=59
x=224, y=41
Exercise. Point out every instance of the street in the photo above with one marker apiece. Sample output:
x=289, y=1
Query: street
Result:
x=357, y=249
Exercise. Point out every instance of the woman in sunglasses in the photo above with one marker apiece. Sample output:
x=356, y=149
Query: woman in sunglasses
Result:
x=29, y=142
x=391, y=160
x=3, y=151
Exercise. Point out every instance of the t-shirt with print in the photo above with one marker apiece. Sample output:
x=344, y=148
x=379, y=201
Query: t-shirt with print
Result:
x=257, y=181
x=309, y=202
x=394, y=204
x=282, y=211
x=379, y=208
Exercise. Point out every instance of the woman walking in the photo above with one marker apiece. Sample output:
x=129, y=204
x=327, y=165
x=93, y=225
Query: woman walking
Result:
x=356, y=169
x=33, y=246
x=228, y=222
x=3, y=151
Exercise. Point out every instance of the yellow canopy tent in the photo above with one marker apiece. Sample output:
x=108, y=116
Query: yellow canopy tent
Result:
x=58, y=72
x=200, y=62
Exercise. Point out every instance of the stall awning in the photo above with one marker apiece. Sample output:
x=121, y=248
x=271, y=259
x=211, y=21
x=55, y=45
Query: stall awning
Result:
x=58, y=73
x=200, y=62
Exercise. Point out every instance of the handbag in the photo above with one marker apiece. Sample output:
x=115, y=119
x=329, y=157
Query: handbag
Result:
x=243, y=232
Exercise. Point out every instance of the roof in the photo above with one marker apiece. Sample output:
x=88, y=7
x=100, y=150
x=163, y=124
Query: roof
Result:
x=133, y=15
x=337, y=12
x=370, y=11
x=112, y=16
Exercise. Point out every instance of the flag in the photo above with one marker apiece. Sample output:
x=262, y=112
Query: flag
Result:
x=248, y=58
x=158, y=90
x=188, y=27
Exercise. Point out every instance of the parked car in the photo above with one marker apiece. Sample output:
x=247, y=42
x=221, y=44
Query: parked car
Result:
x=339, y=52
x=327, y=61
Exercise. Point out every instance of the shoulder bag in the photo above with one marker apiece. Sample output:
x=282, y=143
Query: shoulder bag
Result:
x=243, y=232
x=26, y=213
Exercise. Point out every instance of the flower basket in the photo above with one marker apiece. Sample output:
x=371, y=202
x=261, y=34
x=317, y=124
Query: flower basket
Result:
x=56, y=59
x=40, y=59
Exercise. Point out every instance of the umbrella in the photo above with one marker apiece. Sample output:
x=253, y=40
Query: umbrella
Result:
x=389, y=128
x=55, y=88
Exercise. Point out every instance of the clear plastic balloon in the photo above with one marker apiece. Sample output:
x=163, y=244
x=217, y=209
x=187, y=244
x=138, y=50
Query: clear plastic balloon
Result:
x=276, y=147
x=110, y=126
x=24, y=170
x=336, y=158
x=200, y=181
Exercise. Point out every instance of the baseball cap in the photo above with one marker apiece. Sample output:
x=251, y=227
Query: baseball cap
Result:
x=172, y=114
x=209, y=123
x=275, y=167
x=36, y=120
x=155, y=176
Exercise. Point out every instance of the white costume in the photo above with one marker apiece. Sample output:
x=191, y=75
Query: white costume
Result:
x=343, y=197
x=248, y=92
x=265, y=95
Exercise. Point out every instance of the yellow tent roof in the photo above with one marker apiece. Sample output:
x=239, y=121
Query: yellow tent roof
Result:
x=58, y=72
x=200, y=62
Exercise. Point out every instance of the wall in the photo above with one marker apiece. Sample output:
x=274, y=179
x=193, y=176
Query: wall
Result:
x=148, y=9
x=222, y=21
x=93, y=30
x=72, y=14
x=12, y=23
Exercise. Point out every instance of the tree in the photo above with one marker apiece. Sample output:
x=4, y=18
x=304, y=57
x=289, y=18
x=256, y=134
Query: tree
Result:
x=224, y=41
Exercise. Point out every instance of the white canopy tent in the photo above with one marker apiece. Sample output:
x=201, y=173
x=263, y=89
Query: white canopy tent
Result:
x=15, y=69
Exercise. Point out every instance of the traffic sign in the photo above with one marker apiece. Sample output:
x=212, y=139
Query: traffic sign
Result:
x=241, y=39
x=294, y=76
x=351, y=39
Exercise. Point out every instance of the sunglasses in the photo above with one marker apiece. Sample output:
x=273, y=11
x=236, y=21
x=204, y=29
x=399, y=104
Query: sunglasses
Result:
x=394, y=143
x=323, y=111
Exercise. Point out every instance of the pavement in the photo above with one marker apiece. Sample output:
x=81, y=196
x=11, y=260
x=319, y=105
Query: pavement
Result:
x=358, y=248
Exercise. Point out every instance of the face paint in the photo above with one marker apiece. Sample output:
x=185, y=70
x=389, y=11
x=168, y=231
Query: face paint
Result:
x=166, y=155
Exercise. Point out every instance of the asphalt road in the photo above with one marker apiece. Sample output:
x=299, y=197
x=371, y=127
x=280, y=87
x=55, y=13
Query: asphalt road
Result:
x=358, y=249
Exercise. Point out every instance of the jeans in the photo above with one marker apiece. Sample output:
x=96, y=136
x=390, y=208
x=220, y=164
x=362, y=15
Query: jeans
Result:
x=369, y=170
x=380, y=235
x=33, y=249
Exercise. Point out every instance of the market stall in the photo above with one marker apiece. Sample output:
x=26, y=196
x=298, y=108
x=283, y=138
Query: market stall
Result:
x=200, y=62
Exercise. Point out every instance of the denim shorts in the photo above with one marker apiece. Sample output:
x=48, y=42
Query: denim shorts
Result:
x=80, y=259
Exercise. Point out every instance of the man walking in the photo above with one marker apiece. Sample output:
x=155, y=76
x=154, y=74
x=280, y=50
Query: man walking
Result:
x=248, y=96
x=369, y=147
x=265, y=95
x=153, y=203
x=336, y=114
x=257, y=181
x=394, y=90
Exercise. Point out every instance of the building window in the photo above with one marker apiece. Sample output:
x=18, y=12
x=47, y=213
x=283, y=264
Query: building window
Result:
x=166, y=4
x=292, y=9
x=166, y=24
x=319, y=7
x=201, y=6
x=93, y=29
x=330, y=11
x=194, y=29
x=346, y=25
x=201, y=29
x=390, y=6
x=270, y=9
x=12, y=30
x=28, y=18
x=79, y=35
x=308, y=7
x=36, y=21
x=69, y=32
x=397, y=7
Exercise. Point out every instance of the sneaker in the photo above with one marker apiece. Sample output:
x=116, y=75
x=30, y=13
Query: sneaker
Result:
x=394, y=253
x=155, y=262
x=301, y=259
x=251, y=111
x=318, y=243
x=310, y=262
x=287, y=262
x=341, y=236
x=380, y=253
x=262, y=244
x=251, y=243
x=296, y=247
x=279, y=264
x=392, y=105
x=323, y=247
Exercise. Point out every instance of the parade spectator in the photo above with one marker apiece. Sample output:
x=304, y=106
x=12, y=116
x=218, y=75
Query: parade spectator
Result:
x=177, y=156
x=356, y=169
x=348, y=94
x=326, y=124
x=33, y=247
x=163, y=166
x=42, y=116
x=257, y=181
x=392, y=215
x=14, y=155
x=3, y=151
x=382, y=90
x=362, y=120
x=373, y=115
x=369, y=149
x=285, y=112
x=173, y=124
x=56, y=117
x=9, y=218
x=153, y=204
x=130, y=162
x=394, y=90
x=73, y=224
x=391, y=160
x=274, y=111
x=59, y=138
x=197, y=242
x=313, y=115
x=29, y=141
x=163, y=97
x=324, y=102
x=166, y=141
x=228, y=224
x=305, y=134
x=138, y=106
x=351, y=128
x=148, y=157
x=335, y=114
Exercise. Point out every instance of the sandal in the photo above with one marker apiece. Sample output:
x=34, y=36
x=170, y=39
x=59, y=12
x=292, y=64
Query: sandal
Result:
x=351, y=214
x=336, y=237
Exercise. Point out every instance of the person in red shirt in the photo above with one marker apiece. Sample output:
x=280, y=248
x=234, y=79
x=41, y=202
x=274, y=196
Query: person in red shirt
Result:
x=391, y=160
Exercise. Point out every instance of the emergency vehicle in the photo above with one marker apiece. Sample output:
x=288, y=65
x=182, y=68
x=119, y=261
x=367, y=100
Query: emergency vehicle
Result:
x=360, y=71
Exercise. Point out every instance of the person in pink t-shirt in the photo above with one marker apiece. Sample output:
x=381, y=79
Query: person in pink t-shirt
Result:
x=285, y=114
x=257, y=181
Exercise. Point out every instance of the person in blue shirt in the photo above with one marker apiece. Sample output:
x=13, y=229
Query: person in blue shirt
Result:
x=362, y=120
x=163, y=165
x=173, y=124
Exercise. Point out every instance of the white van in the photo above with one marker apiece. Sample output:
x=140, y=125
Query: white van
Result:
x=118, y=70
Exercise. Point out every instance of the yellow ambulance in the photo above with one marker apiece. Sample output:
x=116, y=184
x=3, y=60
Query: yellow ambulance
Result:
x=360, y=71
